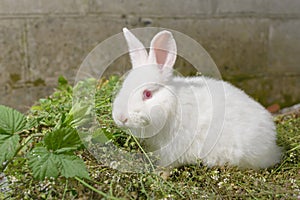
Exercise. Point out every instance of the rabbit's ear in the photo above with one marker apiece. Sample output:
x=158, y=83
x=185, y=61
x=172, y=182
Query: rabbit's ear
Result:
x=163, y=50
x=137, y=51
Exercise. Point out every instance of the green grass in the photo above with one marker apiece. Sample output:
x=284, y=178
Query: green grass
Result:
x=190, y=182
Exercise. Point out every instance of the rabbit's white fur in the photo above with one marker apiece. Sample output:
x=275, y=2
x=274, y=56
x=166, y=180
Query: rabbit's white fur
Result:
x=193, y=118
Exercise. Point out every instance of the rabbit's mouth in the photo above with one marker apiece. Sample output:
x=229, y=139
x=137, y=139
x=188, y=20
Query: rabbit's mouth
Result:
x=136, y=120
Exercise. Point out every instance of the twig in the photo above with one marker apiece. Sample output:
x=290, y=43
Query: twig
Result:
x=95, y=190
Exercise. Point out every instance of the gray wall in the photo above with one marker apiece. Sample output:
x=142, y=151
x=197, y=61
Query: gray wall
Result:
x=256, y=44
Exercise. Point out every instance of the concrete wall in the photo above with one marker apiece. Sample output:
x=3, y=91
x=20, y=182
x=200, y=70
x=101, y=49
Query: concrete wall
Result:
x=256, y=44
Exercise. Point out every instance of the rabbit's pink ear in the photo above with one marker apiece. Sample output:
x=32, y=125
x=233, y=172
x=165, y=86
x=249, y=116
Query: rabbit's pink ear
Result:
x=137, y=51
x=163, y=49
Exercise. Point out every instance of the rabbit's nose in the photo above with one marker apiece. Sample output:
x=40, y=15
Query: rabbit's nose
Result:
x=123, y=119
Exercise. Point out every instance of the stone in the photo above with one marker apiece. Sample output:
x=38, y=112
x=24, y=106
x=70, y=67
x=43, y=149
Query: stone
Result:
x=58, y=46
x=34, y=7
x=284, y=47
x=271, y=8
x=170, y=8
x=239, y=47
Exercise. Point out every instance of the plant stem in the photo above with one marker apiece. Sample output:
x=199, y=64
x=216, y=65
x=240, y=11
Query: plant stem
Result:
x=143, y=190
x=137, y=142
x=65, y=190
x=293, y=149
x=173, y=188
x=95, y=190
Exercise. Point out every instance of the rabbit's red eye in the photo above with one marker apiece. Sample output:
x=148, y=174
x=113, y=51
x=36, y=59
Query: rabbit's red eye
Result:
x=147, y=94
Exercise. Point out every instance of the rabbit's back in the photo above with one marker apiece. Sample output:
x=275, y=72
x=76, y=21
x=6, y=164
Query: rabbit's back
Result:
x=231, y=127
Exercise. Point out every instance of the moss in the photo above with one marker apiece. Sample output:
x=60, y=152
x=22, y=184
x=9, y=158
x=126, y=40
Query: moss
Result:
x=36, y=82
x=39, y=82
x=14, y=77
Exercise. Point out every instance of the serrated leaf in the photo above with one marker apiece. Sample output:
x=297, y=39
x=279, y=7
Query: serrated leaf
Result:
x=8, y=146
x=73, y=166
x=11, y=121
x=43, y=163
x=63, y=140
x=48, y=164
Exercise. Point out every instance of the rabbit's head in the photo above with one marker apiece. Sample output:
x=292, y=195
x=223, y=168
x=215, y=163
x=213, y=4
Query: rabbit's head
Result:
x=146, y=97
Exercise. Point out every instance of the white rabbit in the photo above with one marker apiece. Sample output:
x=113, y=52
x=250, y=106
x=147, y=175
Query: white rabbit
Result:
x=183, y=120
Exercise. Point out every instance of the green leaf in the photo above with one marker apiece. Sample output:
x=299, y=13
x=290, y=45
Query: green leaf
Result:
x=62, y=81
x=48, y=164
x=99, y=137
x=8, y=146
x=63, y=140
x=73, y=166
x=31, y=122
x=11, y=121
x=63, y=84
x=43, y=163
x=79, y=114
